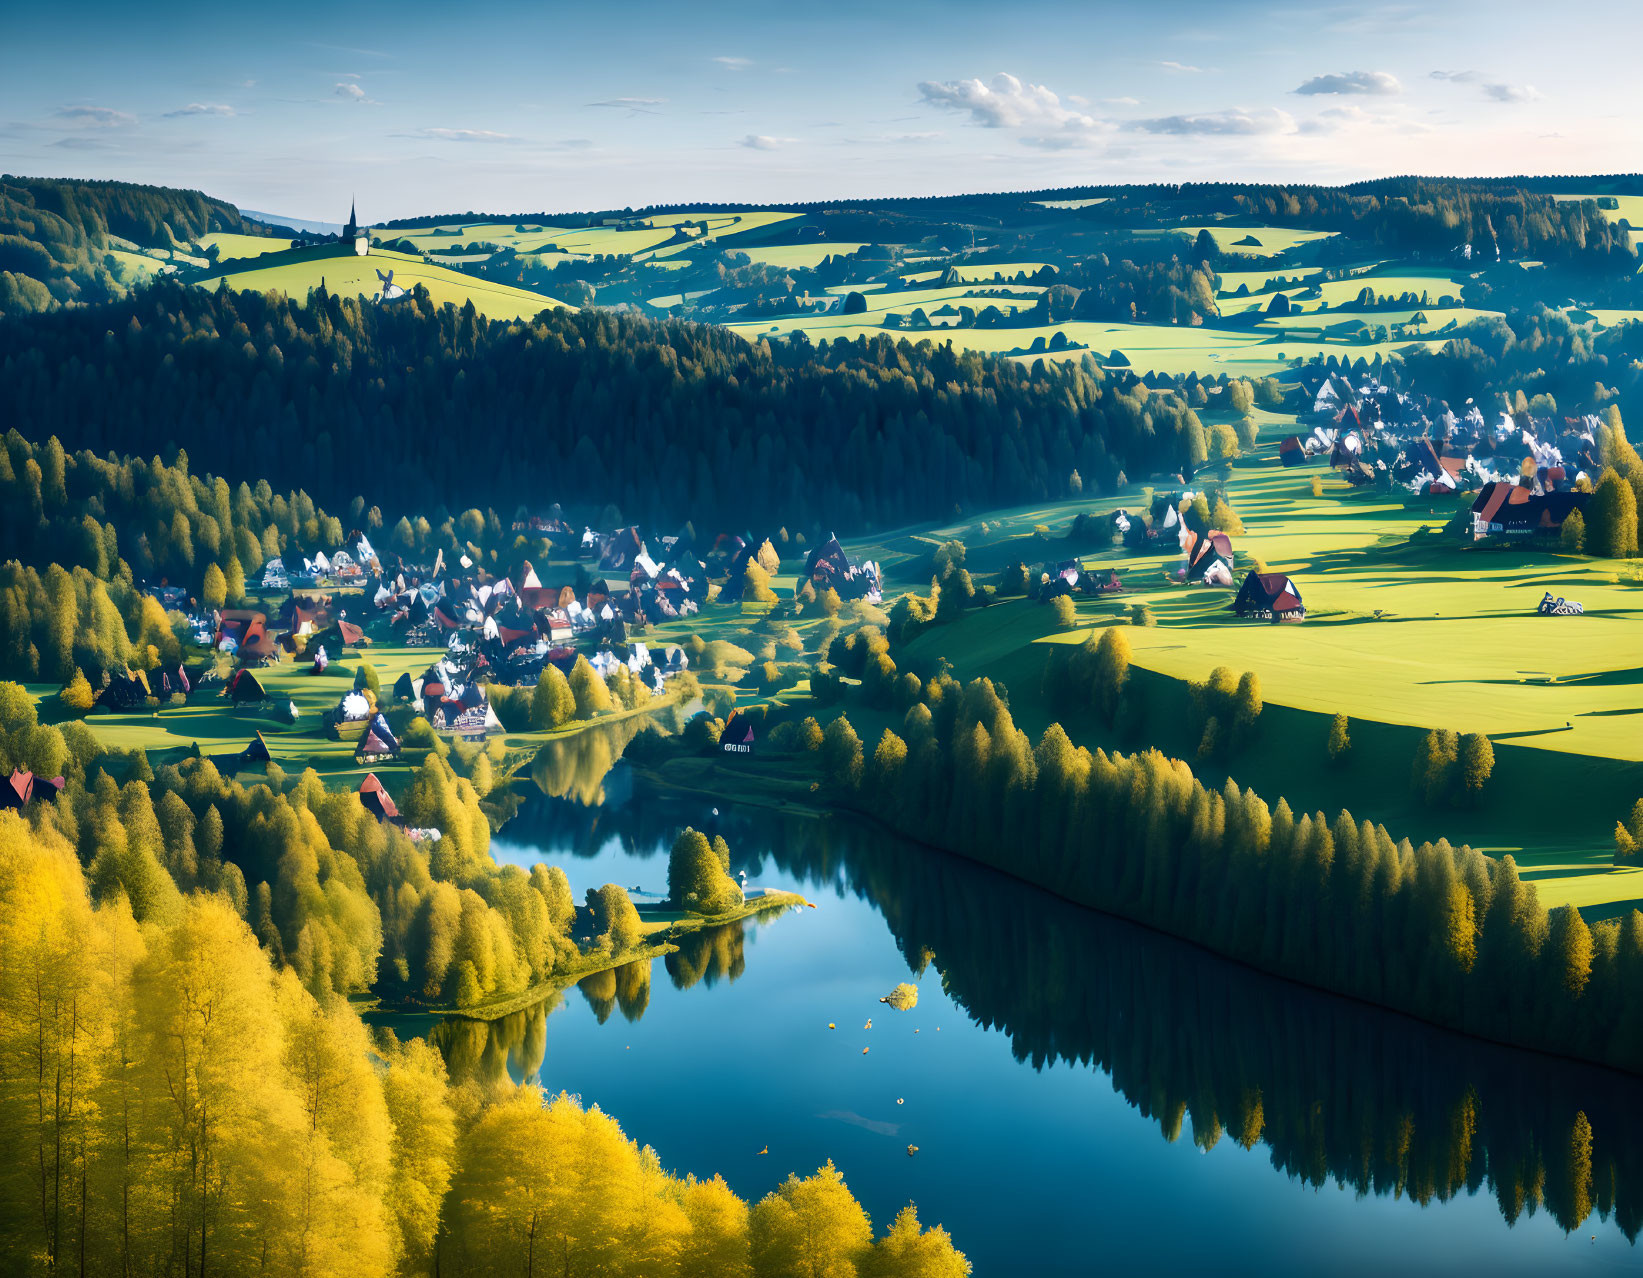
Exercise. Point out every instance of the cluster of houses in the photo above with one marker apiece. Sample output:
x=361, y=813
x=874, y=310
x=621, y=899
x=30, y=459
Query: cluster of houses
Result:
x=1206, y=555
x=1525, y=467
x=346, y=566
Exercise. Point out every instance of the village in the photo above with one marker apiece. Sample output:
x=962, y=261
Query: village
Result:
x=418, y=654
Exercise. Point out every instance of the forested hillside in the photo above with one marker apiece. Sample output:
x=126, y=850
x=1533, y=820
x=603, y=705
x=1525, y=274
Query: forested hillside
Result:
x=1430, y=215
x=55, y=235
x=668, y=420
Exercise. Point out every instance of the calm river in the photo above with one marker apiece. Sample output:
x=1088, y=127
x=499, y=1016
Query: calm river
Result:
x=1084, y=1096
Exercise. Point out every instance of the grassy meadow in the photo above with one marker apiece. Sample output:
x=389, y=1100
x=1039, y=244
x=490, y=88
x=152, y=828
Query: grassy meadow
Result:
x=297, y=271
x=231, y=247
x=1407, y=629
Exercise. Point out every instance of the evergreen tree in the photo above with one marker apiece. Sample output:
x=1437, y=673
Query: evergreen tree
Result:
x=234, y=582
x=214, y=591
x=553, y=704
x=1611, y=518
x=1572, y=536
x=1340, y=744
x=590, y=692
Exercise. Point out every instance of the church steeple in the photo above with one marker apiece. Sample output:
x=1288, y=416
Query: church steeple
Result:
x=349, y=231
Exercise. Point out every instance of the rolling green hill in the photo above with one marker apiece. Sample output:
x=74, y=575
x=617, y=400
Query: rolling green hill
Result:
x=295, y=271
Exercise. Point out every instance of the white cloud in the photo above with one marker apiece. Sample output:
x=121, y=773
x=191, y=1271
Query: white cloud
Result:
x=1121, y=102
x=764, y=142
x=1237, y=121
x=1183, y=67
x=95, y=117
x=1494, y=90
x=202, y=108
x=348, y=89
x=1376, y=83
x=734, y=64
x=464, y=135
x=1004, y=102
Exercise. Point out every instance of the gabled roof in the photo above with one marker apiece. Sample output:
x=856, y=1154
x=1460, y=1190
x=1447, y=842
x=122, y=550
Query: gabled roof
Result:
x=375, y=797
x=245, y=686
x=1268, y=592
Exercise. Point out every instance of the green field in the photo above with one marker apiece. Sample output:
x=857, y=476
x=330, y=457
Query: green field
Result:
x=139, y=265
x=790, y=257
x=1274, y=240
x=231, y=247
x=1435, y=318
x=1456, y=645
x=1336, y=293
x=1630, y=212
x=979, y=272
x=1149, y=347
x=1072, y=204
x=582, y=241
x=344, y=273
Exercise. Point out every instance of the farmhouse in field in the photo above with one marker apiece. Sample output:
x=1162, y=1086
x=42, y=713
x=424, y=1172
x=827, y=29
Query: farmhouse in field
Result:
x=1209, y=557
x=1505, y=509
x=1269, y=596
x=244, y=688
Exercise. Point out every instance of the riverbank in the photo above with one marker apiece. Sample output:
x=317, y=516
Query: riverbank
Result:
x=662, y=935
x=787, y=784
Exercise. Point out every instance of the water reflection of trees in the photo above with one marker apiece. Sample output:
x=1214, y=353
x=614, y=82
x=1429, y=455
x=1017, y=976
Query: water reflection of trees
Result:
x=626, y=987
x=575, y=767
x=1337, y=1091
x=708, y=956
x=490, y=1052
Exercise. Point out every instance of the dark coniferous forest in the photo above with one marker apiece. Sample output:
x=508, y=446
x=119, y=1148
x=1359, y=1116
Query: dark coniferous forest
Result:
x=668, y=420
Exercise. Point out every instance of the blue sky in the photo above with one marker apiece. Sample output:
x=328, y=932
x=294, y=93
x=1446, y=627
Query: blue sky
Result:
x=421, y=107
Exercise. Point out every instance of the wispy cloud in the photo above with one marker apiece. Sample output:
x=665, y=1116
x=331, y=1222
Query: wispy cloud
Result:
x=349, y=90
x=1374, y=83
x=202, y=108
x=344, y=48
x=634, y=106
x=1501, y=92
x=461, y=135
x=1350, y=115
x=1494, y=90
x=1182, y=67
x=1361, y=20
x=95, y=117
x=1234, y=122
x=81, y=142
x=764, y=142
x=1119, y=102
x=732, y=63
